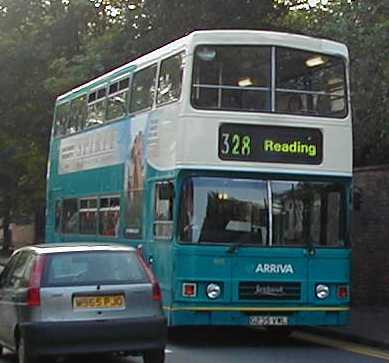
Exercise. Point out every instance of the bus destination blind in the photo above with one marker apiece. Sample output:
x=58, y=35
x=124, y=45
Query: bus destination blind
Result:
x=273, y=144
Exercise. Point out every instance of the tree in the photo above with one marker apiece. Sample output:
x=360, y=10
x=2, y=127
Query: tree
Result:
x=364, y=27
x=34, y=34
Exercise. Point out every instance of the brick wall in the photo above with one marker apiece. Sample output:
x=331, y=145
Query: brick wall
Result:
x=370, y=237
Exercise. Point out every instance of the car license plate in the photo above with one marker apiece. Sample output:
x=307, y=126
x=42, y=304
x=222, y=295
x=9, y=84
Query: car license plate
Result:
x=99, y=302
x=268, y=320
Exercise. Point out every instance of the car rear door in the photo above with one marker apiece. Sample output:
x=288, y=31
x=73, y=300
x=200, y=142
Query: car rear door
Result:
x=78, y=288
x=13, y=294
x=4, y=298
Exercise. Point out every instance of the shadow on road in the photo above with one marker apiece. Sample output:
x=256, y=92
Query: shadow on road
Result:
x=227, y=336
x=196, y=339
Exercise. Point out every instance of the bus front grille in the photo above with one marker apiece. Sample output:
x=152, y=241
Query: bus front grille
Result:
x=261, y=290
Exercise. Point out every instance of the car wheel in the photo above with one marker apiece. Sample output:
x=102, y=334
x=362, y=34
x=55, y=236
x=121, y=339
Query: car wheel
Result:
x=154, y=356
x=23, y=355
x=1, y=350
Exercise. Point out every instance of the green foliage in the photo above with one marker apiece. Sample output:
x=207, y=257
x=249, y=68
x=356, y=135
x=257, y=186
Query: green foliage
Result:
x=50, y=46
x=364, y=27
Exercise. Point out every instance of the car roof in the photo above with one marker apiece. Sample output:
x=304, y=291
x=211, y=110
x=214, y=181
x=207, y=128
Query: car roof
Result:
x=48, y=248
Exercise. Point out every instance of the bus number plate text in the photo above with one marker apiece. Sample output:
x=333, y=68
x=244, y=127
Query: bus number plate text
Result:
x=268, y=320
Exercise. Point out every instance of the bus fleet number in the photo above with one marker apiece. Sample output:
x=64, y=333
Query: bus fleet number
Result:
x=234, y=144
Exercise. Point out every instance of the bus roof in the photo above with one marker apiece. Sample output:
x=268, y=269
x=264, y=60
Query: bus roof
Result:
x=249, y=37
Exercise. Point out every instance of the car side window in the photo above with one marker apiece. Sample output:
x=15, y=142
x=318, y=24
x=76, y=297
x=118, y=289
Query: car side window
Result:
x=17, y=277
x=9, y=267
x=25, y=280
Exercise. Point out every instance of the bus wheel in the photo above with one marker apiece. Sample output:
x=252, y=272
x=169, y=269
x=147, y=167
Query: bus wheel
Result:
x=154, y=356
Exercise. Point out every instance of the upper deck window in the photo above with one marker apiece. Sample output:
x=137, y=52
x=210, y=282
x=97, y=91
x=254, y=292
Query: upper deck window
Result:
x=78, y=115
x=143, y=89
x=170, y=79
x=117, y=99
x=233, y=78
x=241, y=78
x=62, y=114
x=97, y=106
x=310, y=83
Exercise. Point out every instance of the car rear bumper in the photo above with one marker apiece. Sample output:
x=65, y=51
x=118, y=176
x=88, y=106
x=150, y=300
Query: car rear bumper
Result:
x=99, y=336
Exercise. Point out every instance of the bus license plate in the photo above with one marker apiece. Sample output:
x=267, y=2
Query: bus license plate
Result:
x=268, y=320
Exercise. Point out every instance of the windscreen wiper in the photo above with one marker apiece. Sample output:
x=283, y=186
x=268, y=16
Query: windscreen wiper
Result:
x=311, y=248
x=235, y=247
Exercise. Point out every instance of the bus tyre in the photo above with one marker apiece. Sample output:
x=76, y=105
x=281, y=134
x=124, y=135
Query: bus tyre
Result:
x=154, y=356
x=1, y=350
x=23, y=355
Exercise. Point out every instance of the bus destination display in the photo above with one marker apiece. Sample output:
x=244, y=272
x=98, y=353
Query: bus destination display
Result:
x=272, y=144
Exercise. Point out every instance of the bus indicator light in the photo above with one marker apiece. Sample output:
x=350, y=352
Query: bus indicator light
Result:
x=189, y=289
x=343, y=292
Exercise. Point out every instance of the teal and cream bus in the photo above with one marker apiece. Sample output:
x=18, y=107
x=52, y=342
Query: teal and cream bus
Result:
x=226, y=155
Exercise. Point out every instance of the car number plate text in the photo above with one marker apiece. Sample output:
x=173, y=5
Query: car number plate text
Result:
x=268, y=320
x=98, y=302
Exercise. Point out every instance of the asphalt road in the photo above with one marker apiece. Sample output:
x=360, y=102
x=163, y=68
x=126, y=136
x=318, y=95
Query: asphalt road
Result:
x=244, y=345
x=240, y=345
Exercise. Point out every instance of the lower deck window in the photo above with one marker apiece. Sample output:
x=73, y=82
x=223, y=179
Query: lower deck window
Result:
x=70, y=216
x=308, y=211
x=109, y=213
x=221, y=210
x=88, y=216
x=260, y=212
x=163, y=213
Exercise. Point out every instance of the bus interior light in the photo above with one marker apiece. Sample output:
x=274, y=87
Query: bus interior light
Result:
x=206, y=54
x=315, y=61
x=245, y=82
x=189, y=289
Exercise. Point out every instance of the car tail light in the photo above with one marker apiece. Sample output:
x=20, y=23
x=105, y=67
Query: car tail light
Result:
x=343, y=292
x=33, y=291
x=157, y=296
x=189, y=289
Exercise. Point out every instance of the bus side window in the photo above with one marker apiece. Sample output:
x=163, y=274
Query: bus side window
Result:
x=170, y=79
x=109, y=216
x=117, y=99
x=70, y=216
x=163, y=211
x=143, y=89
x=61, y=119
x=77, y=115
x=97, y=106
x=88, y=216
x=58, y=213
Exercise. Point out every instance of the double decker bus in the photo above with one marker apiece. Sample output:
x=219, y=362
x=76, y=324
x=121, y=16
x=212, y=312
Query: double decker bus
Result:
x=227, y=155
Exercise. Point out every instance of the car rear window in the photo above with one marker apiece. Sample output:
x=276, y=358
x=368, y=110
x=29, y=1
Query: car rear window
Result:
x=93, y=268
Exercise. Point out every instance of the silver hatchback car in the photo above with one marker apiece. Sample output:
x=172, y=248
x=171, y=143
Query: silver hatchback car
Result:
x=80, y=298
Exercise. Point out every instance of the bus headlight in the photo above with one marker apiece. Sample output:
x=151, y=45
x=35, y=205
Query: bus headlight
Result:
x=322, y=291
x=213, y=291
